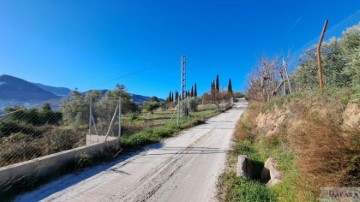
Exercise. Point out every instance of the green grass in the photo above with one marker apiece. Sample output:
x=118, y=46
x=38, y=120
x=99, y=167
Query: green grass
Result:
x=167, y=128
x=251, y=191
x=154, y=135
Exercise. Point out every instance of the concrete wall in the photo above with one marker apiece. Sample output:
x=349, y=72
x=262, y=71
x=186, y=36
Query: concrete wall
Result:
x=94, y=139
x=46, y=165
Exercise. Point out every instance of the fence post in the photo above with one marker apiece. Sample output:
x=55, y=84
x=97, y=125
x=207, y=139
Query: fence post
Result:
x=90, y=115
x=319, y=55
x=119, y=116
x=111, y=123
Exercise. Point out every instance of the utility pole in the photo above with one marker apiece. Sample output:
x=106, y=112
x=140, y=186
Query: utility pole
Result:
x=319, y=55
x=182, y=86
x=286, y=74
x=183, y=76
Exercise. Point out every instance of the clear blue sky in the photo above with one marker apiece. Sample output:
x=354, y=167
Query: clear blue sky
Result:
x=89, y=44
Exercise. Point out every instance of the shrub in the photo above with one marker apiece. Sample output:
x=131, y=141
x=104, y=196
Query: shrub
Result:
x=57, y=139
x=7, y=127
x=83, y=160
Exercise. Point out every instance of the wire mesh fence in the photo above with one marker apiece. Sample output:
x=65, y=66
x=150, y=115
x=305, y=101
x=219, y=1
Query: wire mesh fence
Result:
x=26, y=134
x=81, y=119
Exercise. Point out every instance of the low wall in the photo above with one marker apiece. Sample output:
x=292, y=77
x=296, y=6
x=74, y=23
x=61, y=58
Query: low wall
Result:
x=47, y=165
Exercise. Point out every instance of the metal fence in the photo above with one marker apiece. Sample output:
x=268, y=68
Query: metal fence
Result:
x=26, y=134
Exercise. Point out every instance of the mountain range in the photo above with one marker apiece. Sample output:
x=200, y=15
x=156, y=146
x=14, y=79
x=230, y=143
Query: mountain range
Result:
x=16, y=91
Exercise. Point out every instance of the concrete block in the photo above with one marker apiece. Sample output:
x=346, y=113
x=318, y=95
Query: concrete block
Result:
x=270, y=173
x=244, y=167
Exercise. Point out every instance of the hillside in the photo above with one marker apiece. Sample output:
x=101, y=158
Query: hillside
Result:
x=314, y=137
x=59, y=91
x=16, y=91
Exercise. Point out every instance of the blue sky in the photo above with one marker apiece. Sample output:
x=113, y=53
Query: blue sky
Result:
x=93, y=44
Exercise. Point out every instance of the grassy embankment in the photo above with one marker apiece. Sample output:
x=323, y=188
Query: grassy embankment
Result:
x=313, y=136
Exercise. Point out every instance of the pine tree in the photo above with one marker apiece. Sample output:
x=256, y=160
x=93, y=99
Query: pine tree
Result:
x=195, y=91
x=230, y=87
x=217, y=84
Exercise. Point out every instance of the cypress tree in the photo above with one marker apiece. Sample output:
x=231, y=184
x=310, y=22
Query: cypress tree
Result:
x=217, y=83
x=230, y=87
x=192, y=91
x=176, y=96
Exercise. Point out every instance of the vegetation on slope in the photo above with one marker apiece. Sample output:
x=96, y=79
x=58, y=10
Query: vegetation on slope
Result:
x=313, y=136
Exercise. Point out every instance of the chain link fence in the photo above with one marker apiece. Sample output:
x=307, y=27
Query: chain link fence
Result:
x=26, y=134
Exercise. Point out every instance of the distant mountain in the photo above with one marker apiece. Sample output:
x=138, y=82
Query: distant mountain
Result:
x=16, y=91
x=140, y=99
x=12, y=88
x=59, y=91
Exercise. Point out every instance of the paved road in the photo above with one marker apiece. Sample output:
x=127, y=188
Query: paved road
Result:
x=183, y=168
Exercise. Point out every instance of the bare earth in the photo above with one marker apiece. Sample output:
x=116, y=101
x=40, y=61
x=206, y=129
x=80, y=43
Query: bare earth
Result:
x=183, y=168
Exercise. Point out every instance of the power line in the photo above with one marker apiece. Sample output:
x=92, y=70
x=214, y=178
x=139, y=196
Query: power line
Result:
x=139, y=71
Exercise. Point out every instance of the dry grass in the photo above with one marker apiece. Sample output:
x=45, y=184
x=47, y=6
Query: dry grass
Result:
x=245, y=128
x=326, y=156
x=20, y=147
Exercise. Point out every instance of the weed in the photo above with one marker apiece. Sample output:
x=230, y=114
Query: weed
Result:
x=83, y=160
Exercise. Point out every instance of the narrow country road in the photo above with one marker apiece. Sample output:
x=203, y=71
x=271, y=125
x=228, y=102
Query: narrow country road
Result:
x=182, y=168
